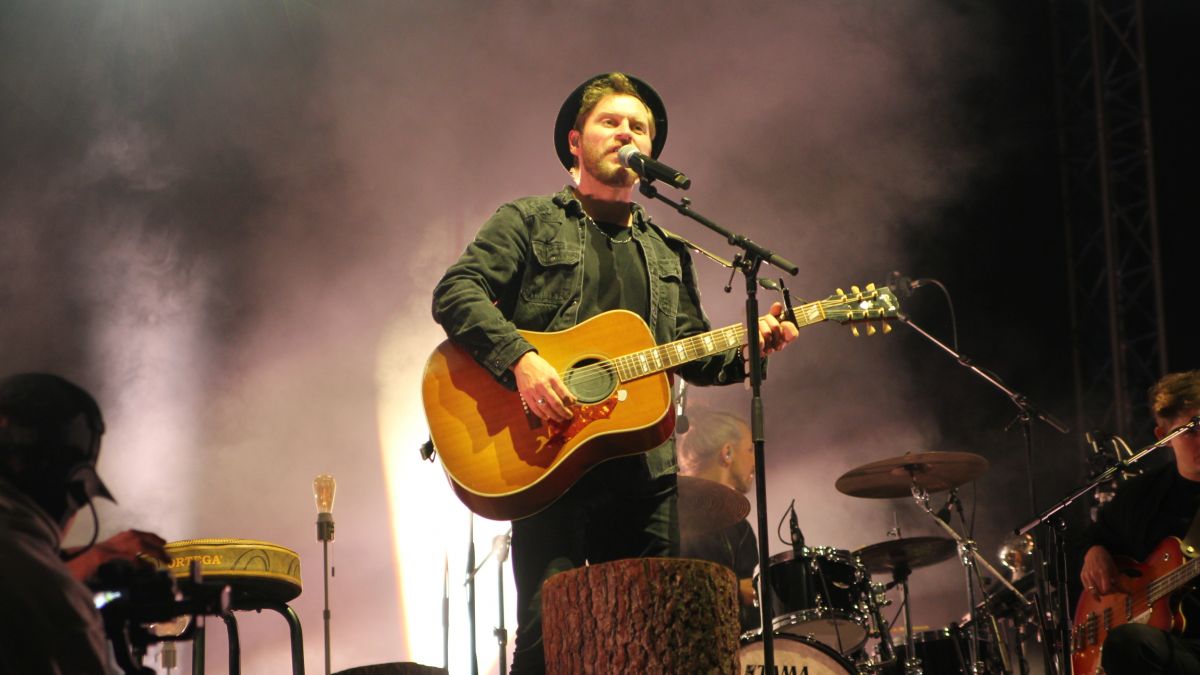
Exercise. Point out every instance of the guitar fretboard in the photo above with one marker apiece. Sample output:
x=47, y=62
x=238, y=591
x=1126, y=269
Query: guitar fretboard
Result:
x=1172, y=581
x=664, y=357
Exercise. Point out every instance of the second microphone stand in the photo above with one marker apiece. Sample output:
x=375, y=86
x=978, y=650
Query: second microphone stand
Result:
x=1027, y=412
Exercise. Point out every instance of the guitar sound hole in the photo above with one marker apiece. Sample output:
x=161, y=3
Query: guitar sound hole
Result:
x=591, y=380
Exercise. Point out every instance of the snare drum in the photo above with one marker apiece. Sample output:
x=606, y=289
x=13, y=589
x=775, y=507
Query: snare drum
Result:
x=822, y=593
x=794, y=654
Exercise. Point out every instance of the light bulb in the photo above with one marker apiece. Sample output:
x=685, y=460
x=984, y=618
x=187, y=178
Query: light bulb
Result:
x=323, y=488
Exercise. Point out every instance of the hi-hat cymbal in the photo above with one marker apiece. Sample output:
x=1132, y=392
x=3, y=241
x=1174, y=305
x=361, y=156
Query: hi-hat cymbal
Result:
x=909, y=554
x=708, y=506
x=895, y=476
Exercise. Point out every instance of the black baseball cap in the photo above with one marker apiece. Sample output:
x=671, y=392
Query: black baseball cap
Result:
x=55, y=427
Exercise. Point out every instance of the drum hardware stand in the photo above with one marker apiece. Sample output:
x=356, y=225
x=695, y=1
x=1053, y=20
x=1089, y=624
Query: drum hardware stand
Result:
x=900, y=574
x=887, y=651
x=971, y=559
x=912, y=663
x=1027, y=412
x=749, y=262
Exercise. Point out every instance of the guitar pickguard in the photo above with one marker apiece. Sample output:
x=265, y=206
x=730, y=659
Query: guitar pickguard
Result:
x=560, y=434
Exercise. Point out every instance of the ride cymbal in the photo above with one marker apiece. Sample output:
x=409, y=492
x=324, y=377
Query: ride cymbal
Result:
x=896, y=476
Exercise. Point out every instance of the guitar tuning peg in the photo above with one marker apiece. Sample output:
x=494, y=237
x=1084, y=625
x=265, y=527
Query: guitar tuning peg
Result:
x=870, y=329
x=887, y=328
x=841, y=292
x=854, y=290
x=871, y=286
x=854, y=331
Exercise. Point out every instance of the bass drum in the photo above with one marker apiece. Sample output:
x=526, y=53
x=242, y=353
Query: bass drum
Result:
x=794, y=655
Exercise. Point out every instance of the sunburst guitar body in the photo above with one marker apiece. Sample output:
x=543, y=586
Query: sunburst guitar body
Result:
x=504, y=463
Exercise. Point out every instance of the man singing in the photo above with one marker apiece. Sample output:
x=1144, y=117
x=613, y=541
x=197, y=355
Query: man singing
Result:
x=548, y=263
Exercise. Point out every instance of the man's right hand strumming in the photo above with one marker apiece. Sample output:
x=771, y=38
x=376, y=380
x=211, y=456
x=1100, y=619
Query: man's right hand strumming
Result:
x=542, y=389
x=1099, y=574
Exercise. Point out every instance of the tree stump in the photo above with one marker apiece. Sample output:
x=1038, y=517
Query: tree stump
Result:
x=644, y=615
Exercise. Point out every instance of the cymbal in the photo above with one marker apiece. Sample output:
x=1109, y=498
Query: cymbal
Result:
x=708, y=506
x=911, y=552
x=895, y=476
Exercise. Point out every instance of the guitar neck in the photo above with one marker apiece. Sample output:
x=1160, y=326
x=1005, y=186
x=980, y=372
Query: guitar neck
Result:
x=673, y=354
x=1173, y=581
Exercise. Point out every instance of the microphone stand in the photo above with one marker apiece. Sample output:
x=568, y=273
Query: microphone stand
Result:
x=471, y=569
x=500, y=548
x=749, y=262
x=1027, y=411
x=1105, y=476
x=446, y=612
x=325, y=535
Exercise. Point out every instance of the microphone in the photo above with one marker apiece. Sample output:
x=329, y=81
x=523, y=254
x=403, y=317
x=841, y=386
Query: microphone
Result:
x=951, y=504
x=943, y=514
x=652, y=169
x=903, y=286
x=1094, y=439
x=797, y=535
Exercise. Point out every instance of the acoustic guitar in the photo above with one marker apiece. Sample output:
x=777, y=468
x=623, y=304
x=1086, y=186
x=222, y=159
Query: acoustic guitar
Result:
x=1170, y=568
x=504, y=463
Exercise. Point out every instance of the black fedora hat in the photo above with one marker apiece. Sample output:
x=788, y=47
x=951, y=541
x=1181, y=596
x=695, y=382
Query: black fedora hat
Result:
x=570, y=110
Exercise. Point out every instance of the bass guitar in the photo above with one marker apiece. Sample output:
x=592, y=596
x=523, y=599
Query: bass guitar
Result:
x=505, y=463
x=1170, y=568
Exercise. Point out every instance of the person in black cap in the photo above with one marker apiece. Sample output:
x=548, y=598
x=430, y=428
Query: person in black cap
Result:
x=49, y=442
x=546, y=264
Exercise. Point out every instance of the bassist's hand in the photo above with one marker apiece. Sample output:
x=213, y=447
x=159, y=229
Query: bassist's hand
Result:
x=1099, y=574
x=542, y=389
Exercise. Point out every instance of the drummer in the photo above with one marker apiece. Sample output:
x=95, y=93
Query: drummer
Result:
x=717, y=447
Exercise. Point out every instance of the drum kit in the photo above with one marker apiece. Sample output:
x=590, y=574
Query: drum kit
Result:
x=827, y=603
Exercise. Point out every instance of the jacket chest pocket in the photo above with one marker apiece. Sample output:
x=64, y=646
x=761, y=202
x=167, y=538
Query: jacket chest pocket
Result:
x=668, y=284
x=552, y=272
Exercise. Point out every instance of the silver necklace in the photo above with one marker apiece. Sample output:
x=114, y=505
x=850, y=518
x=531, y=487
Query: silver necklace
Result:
x=609, y=237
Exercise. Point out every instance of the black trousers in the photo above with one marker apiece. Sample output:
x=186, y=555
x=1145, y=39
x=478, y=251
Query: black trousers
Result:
x=1137, y=649
x=615, y=511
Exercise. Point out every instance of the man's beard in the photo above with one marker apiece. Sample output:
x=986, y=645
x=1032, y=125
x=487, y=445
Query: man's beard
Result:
x=612, y=175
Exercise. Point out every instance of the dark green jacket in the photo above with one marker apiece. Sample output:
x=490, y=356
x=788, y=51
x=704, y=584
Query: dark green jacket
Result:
x=524, y=271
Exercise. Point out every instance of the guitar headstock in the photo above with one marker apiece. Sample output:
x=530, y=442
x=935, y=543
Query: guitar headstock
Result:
x=867, y=305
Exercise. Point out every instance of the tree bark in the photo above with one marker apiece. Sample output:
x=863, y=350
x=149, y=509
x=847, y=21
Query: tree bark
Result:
x=644, y=615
